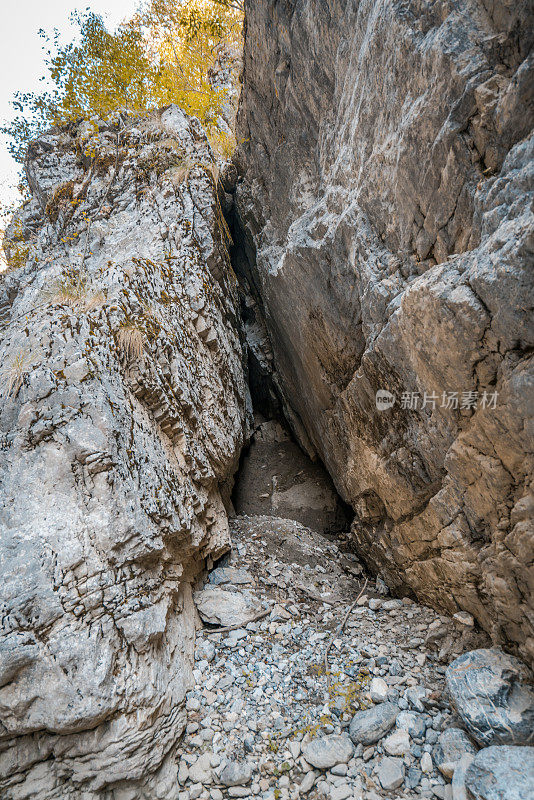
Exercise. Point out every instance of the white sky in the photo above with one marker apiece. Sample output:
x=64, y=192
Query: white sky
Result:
x=22, y=55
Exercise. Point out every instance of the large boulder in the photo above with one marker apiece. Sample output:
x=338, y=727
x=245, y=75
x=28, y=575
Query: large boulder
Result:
x=501, y=773
x=491, y=692
x=121, y=420
x=327, y=751
x=386, y=216
x=218, y=606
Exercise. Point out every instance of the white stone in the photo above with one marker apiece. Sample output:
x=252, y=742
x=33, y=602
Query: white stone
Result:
x=426, y=763
x=397, y=743
x=378, y=690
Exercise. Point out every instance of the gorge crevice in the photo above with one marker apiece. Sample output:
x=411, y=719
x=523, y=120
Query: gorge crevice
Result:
x=358, y=353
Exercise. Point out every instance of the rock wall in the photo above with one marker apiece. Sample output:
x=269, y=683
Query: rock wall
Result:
x=386, y=210
x=122, y=417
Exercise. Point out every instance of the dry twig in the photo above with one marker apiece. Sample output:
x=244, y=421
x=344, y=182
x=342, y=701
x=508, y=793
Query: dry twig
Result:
x=339, y=629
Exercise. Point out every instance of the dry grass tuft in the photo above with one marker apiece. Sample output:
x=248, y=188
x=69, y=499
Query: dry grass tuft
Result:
x=181, y=172
x=130, y=341
x=74, y=291
x=13, y=373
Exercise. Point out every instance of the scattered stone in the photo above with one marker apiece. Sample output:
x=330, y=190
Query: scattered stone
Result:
x=200, y=771
x=307, y=782
x=327, y=751
x=413, y=777
x=490, y=693
x=452, y=745
x=230, y=575
x=375, y=603
x=236, y=773
x=238, y=791
x=259, y=688
x=391, y=605
x=378, y=690
x=339, y=769
x=397, y=743
x=341, y=792
x=411, y=722
x=372, y=724
x=426, y=763
x=206, y=650
x=294, y=748
x=368, y=753
x=415, y=695
x=464, y=619
x=501, y=773
x=391, y=773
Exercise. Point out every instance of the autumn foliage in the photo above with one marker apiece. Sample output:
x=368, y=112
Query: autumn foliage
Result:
x=171, y=51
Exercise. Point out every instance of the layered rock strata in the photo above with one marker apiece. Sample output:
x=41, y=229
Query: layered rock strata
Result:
x=386, y=210
x=122, y=418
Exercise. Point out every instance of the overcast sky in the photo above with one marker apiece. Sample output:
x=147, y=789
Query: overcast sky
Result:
x=22, y=55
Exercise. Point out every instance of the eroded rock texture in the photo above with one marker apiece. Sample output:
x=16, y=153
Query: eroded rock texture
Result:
x=387, y=202
x=123, y=414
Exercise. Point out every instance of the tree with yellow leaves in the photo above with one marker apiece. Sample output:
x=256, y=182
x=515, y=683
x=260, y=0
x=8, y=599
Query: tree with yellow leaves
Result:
x=171, y=51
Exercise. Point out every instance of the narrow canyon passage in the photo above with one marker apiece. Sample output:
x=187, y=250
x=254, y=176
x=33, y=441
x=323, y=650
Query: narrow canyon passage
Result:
x=266, y=371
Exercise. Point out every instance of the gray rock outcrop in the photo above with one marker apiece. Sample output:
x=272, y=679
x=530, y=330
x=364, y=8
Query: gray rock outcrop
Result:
x=491, y=692
x=122, y=417
x=501, y=773
x=386, y=218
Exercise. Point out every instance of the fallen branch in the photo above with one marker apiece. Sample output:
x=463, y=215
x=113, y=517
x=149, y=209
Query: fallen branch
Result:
x=261, y=615
x=339, y=629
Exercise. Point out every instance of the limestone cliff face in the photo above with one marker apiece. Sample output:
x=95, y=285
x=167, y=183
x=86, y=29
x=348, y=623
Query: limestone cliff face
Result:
x=122, y=416
x=387, y=157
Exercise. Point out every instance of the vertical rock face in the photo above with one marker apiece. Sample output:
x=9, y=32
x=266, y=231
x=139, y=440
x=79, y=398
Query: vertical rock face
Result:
x=387, y=157
x=122, y=416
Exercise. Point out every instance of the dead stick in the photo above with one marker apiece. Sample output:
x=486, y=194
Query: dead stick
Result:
x=339, y=629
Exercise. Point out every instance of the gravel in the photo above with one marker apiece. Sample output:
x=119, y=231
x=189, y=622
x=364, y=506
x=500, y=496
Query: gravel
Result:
x=266, y=722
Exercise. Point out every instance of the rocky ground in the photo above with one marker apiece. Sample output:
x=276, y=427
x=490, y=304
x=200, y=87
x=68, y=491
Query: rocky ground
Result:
x=303, y=692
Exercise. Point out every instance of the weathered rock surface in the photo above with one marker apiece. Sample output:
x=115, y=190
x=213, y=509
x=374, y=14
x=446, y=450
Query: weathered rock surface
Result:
x=501, y=773
x=459, y=790
x=122, y=417
x=386, y=214
x=492, y=693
